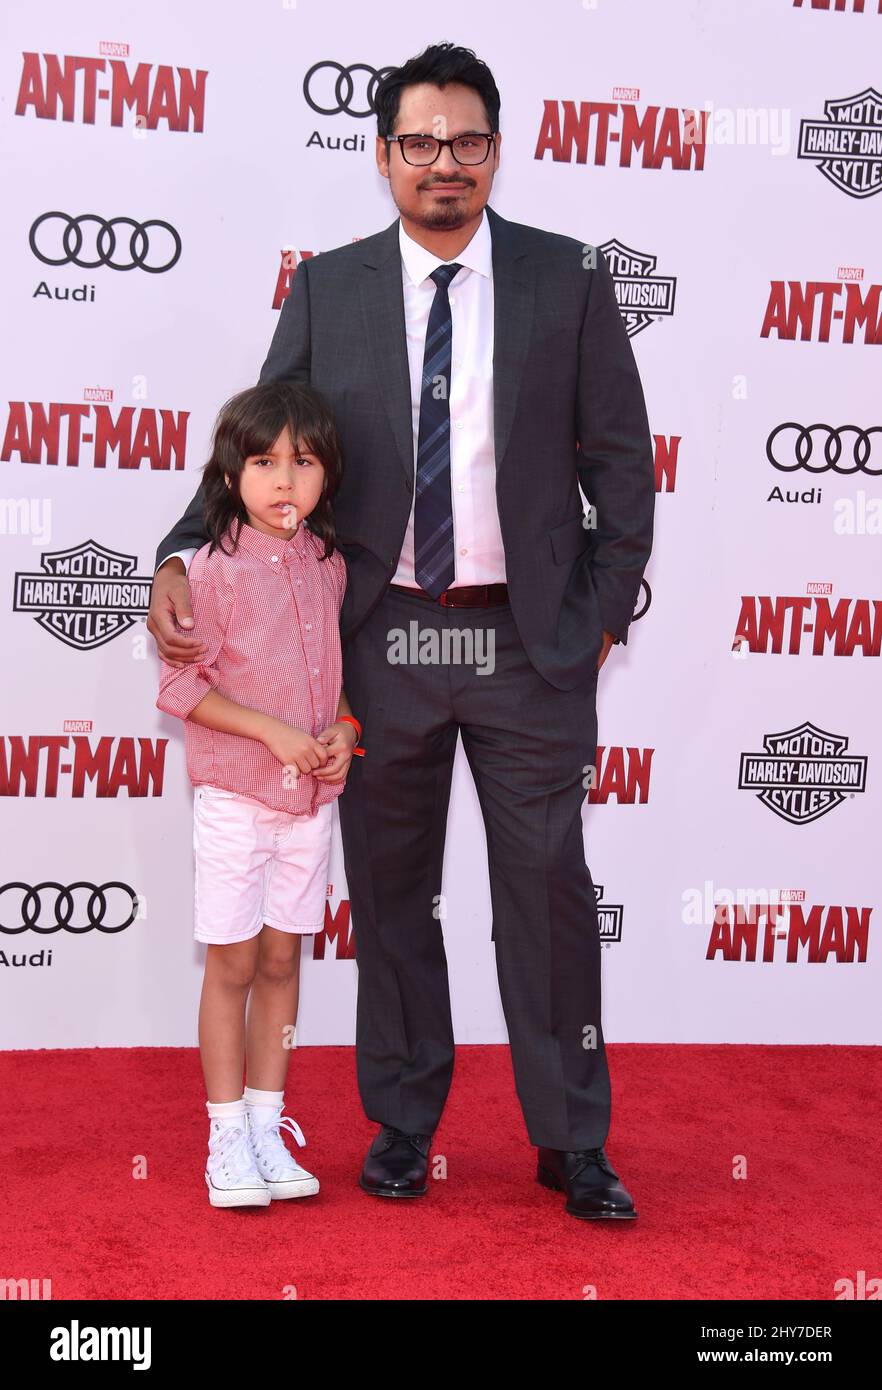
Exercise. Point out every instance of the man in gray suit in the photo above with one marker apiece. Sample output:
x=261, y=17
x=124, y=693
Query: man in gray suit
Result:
x=479, y=371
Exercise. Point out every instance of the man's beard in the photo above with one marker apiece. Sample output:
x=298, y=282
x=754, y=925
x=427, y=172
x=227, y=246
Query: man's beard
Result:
x=444, y=215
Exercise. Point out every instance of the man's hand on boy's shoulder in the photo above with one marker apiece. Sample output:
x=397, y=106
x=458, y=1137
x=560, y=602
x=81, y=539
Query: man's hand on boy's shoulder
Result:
x=171, y=610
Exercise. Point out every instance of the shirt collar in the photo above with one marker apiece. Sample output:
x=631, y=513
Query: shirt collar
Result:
x=419, y=263
x=273, y=550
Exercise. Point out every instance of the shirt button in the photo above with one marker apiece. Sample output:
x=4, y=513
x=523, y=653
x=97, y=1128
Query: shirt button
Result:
x=298, y=581
x=461, y=487
x=315, y=670
x=464, y=551
x=309, y=627
x=459, y=424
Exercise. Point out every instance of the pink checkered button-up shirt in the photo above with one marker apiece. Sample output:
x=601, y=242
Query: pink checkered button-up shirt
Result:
x=269, y=616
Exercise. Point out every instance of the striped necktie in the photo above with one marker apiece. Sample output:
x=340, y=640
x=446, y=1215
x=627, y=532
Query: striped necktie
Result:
x=434, y=567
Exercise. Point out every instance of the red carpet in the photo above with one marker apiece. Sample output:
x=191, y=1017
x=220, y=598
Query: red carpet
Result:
x=806, y=1119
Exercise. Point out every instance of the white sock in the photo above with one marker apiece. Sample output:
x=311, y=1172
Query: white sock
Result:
x=228, y=1112
x=262, y=1105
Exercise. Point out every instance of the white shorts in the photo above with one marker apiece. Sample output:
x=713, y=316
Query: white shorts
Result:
x=255, y=866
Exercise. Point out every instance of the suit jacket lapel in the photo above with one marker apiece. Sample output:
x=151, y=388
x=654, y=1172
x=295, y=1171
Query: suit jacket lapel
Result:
x=513, y=300
x=382, y=304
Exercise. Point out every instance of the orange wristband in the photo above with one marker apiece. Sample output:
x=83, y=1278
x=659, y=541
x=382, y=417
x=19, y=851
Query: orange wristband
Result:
x=350, y=719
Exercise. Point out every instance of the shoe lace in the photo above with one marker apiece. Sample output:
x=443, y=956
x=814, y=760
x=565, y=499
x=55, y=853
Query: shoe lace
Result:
x=586, y=1156
x=395, y=1136
x=231, y=1150
x=267, y=1142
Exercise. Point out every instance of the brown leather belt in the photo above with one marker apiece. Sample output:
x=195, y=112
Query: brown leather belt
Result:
x=467, y=596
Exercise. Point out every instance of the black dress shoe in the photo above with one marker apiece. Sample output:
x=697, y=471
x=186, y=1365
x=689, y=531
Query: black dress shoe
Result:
x=590, y=1182
x=396, y=1164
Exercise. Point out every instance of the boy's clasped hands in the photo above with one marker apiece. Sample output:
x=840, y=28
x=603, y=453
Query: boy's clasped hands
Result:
x=326, y=757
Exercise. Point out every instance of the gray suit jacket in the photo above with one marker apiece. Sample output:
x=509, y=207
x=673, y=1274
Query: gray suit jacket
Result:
x=568, y=408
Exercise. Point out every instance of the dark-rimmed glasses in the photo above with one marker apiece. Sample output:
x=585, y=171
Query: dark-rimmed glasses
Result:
x=472, y=147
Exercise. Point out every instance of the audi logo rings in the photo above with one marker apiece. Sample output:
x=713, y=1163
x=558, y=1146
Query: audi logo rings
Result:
x=344, y=89
x=60, y=911
x=803, y=447
x=65, y=247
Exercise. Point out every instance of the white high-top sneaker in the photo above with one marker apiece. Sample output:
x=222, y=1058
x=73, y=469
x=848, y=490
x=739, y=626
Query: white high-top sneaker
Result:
x=230, y=1173
x=275, y=1163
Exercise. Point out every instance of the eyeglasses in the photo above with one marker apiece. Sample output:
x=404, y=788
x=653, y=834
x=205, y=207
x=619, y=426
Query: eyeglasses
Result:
x=472, y=148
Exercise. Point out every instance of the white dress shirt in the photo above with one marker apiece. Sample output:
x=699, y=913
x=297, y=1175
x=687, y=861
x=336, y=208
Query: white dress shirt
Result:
x=479, y=555
x=478, y=551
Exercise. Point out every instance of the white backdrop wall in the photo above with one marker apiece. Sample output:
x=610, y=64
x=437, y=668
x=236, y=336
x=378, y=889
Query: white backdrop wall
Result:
x=765, y=610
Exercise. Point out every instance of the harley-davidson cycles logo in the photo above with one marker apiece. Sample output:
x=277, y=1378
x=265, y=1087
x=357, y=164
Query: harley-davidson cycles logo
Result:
x=642, y=295
x=85, y=595
x=847, y=146
x=803, y=773
x=609, y=916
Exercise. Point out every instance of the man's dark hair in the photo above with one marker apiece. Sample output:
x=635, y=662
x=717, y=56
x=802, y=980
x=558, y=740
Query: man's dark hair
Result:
x=438, y=64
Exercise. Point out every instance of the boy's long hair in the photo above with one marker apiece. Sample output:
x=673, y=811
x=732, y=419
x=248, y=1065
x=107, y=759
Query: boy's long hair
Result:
x=250, y=423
